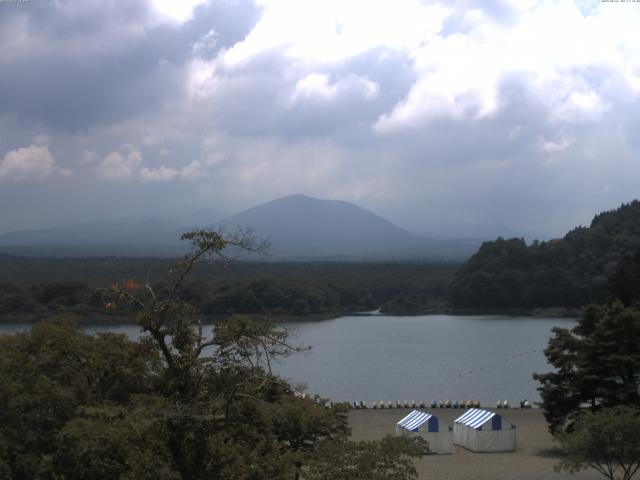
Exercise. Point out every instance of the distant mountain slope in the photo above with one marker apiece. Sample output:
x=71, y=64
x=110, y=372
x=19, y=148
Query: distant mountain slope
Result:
x=568, y=272
x=131, y=236
x=123, y=231
x=301, y=226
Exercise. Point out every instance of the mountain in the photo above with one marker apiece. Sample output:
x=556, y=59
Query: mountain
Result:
x=129, y=236
x=308, y=228
x=567, y=272
x=298, y=227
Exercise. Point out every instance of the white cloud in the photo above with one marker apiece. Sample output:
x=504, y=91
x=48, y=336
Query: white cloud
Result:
x=318, y=86
x=160, y=174
x=120, y=166
x=33, y=162
x=476, y=98
x=581, y=107
x=461, y=56
x=551, y=44
x=206, y=44
x=193, y=170
x=331, y=31
x=176, y=11
x=202, y=80
x=117, y=166
x=314, y=85
x=164, y=174
x=549, y=146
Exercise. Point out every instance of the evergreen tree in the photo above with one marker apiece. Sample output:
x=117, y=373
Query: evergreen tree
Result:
x=597, y=365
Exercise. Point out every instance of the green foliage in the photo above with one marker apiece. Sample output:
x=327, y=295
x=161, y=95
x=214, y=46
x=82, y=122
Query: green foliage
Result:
x=275, y=296
x=108, y=442
x=181, y=403
x=52, y=371
x=388, y=459
x=607, y=441
x=102, y=406
x=62, y=293
x=597, y=365
x=569, y=272
x=38, y=287
x=624, y=283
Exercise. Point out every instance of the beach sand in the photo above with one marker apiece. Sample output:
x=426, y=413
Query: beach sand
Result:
x=534, y=458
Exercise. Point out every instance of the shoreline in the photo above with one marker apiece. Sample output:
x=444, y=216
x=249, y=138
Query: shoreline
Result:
x=103, y=319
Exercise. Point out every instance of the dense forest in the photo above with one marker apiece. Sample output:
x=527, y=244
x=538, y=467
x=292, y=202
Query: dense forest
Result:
x=31, y=288
x=75, y=406
x=590, y=264
x=585, y=266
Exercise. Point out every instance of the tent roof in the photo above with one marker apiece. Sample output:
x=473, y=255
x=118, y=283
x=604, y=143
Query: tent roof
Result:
x=414, y=420
x=475, y=418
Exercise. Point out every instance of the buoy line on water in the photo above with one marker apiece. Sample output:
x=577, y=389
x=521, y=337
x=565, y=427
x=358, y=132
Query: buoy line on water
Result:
x=397, y=404
x=497, y=364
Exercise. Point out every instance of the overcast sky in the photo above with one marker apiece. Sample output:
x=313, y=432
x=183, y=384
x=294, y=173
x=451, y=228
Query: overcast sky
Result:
x=444, y=117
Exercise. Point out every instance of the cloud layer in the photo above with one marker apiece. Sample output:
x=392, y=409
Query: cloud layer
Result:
x=447, y=118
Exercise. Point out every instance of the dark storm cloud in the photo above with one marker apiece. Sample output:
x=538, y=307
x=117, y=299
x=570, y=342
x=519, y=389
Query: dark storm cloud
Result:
x=87, y=63
x=472, y=127
x=509, y=173
x=446, y=141
x=259, y=99
x=232, y=20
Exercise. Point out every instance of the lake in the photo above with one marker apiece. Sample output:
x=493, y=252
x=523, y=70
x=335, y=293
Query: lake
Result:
x=430, y=357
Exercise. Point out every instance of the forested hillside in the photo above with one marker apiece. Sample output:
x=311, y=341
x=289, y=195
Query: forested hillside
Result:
x=583, y=267
x=32, y=288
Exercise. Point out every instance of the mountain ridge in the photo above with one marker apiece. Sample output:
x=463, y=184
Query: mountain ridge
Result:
x=299, y=228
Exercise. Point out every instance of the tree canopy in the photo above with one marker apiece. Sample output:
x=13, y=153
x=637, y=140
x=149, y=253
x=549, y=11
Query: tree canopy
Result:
x=607, y=441
x=569, y=272
x=32, y=288
x=597, y=364
x=181, y=403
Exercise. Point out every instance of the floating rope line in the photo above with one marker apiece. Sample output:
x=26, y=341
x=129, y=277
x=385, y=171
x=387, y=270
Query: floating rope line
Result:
x=499, y=363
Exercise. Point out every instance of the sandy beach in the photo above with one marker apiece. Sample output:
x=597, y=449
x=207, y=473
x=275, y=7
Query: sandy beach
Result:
x=534, y=458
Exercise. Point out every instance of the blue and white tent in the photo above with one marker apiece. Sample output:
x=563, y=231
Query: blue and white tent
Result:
x=484, y=431
x=427, y=426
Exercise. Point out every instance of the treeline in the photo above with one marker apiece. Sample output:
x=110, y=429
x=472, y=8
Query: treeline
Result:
x=32, y=288
x=590, y=264
x=278, y=296
x=20, y=302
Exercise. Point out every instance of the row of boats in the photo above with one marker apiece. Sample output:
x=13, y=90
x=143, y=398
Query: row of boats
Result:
x=434, y=404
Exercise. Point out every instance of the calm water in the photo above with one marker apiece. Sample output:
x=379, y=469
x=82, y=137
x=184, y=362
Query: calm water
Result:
x=414, y=358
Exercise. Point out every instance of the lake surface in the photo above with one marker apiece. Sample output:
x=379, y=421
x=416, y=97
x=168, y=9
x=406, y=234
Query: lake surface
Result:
x=431, y=357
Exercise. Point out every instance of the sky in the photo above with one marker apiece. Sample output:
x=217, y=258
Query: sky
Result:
x=447, y=117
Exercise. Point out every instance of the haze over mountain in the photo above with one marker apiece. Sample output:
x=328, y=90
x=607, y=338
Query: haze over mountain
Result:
x=298, y=227
x=126, y=236
x=301, y=226
x=206, y=100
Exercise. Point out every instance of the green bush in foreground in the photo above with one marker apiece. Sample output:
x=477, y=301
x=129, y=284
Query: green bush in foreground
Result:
x=178, y=404
x=607, y=441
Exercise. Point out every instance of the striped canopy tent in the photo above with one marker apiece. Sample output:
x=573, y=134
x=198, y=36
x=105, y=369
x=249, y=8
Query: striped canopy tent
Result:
x=484, y=431
x=427, y=426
